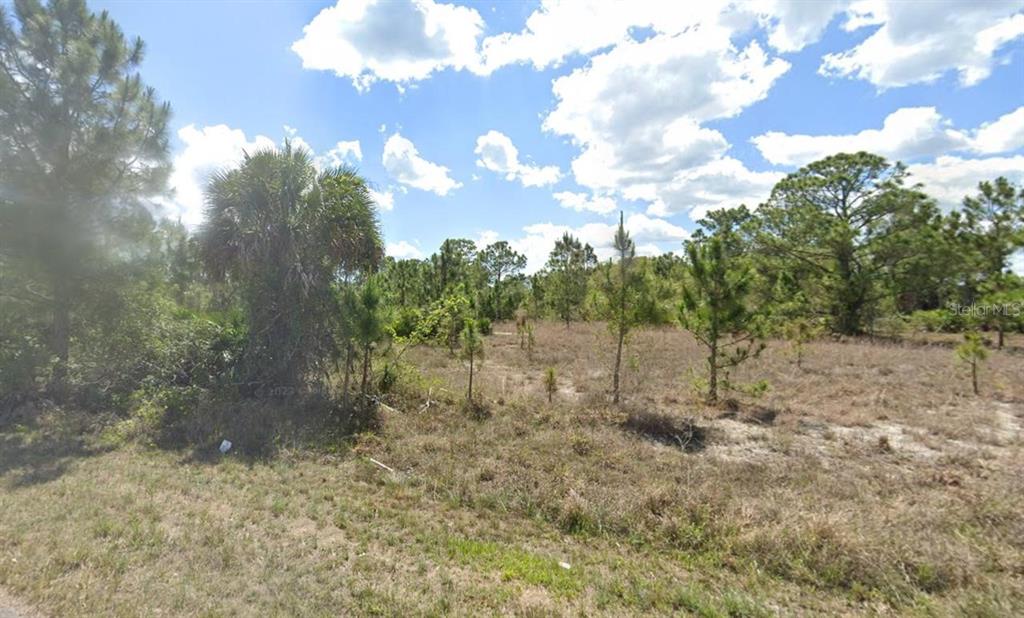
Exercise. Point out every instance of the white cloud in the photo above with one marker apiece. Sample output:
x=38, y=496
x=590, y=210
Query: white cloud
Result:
x=949, y=179
x=636, y=110
x=907, y=133
x=724, y=183
x=1005, y=134
x=581, y=202
x=652, y=237
x=921, y=41
x=402, y=160
x=396, y=41
x=403, y=250
x=486, y=237
x=495, y=152
x=384, y=199
x=552, y=32
x=343, y=153
x=558, y=29
x=207, y=150
x=794, y=24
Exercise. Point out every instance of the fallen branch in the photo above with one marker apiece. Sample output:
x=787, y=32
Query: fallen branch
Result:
x=385, y=466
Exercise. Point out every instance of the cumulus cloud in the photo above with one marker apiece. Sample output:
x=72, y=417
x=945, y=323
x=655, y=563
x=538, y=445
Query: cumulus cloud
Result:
x=486, y=237
x=652, y=236
x=793, y=24
x=919, y=42
x=552, y=31
x=403, y=161
x=949, y=179
x=344, y=152
x=581, y=202
x=403, y=250
x=207, y=150
x=1005, y=134
x=636, y=111
x=385, y=199
x=495, y=152
x=396, y=41
x=907, y=133
x=724, y=183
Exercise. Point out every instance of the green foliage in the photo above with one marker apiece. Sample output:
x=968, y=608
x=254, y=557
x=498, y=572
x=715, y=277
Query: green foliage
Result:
x=623, y=292
x=843, y=226
x=550, y=382
x=799, y=332
x=82, y=141
x=484, y=326
x=714, y=309
x=472, y=350
x=972, y=352
x=938, y=321
x=281, y=232
x=569, y=267
x=442, y=322
x=499, y=260
x=405, y=322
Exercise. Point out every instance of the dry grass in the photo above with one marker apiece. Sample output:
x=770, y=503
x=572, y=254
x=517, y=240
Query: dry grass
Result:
x=868, y=482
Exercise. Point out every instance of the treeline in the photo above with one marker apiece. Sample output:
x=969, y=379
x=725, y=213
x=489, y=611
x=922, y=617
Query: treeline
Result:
x=848, y=243
x=285, y=286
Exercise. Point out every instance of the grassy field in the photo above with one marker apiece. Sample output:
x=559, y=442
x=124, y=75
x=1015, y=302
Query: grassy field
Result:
x=868, y=481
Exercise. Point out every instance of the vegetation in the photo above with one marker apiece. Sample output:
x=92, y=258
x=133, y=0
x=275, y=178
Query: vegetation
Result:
x=132, y=347
x=472, y=352
x=972, y=352
x=82, y=141
x=716, y=311
x=622, y=290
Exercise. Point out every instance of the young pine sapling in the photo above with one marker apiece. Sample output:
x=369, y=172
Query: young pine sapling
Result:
x=972, y=352
x=550, y=382
x=622, y=289
x=472, y=351
x=714, y=310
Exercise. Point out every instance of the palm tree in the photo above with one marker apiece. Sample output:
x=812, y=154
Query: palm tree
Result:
x=284, y=233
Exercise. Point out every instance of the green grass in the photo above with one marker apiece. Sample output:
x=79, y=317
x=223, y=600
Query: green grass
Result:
x=514, y=564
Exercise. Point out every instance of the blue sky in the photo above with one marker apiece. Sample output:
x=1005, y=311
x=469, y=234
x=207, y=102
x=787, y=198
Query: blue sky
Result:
x=519, y=121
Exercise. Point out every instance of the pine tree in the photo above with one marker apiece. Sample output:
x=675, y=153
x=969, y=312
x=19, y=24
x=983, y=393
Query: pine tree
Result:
x=82, y=140
x=472, y=351
x=972, y=351
x=994, y=227
x=622, y=290
x=569, y=267
x=500, y=261
x=714, y=310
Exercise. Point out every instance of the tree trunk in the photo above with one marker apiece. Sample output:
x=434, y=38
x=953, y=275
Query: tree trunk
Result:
x=713, y=374
x=618, y=363
x=348, y=375
x=999, y=326
x=60, y=342
x=974, y=376
x=469, y=392
x=366, y=367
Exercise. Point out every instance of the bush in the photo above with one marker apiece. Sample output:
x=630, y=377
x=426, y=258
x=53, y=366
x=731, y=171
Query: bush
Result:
x=484, y=326
x=938, y=321
x=405, y=323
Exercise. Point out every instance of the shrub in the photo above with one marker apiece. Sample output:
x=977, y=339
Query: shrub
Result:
x=938, y=321
x=405, y=322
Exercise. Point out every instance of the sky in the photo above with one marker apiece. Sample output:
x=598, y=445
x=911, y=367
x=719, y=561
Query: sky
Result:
x=520, y=121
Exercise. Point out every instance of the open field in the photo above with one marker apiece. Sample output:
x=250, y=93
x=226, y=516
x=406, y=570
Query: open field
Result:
x=869, y=481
